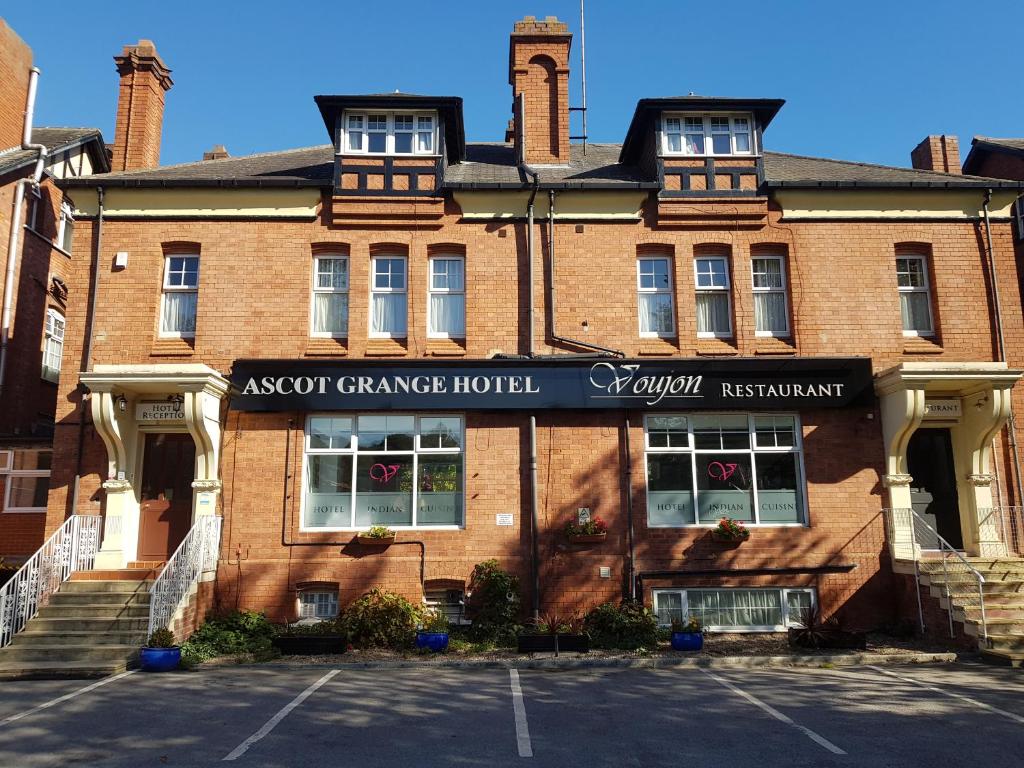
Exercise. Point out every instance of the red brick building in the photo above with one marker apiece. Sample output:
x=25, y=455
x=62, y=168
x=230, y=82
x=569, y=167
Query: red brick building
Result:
x=476, y=344
x=36, y=252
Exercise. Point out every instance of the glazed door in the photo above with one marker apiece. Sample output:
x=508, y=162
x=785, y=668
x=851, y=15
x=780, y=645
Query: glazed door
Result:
x=933, y=489
x=168, y=468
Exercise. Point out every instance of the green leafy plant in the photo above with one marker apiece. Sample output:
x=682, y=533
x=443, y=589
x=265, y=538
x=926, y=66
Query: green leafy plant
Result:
x=7, y=571
x=435, y=621
x=161, y=638
x=628, y=626
x=381, y=619
x=554, y=623
x=593, y=527
x=692, y=624
x=493, y=604
x=231, y=633
x=731, y=530
x=378, y=532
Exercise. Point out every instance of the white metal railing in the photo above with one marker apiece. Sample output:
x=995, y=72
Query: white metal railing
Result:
x=72, y=547
x=1010, y=523
x=197, y=553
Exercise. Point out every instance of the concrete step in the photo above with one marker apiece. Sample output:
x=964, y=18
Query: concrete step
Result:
x=93, y=624
x=80, y=637
x=995, y=626
x=1004, y=658
x=94, y=611
x=107, y=585
x=78, y=653
x=105, y=597
x=123, y=574
x=989, y=588
x=1003, y=642
x=973, y=612
x=53, y=670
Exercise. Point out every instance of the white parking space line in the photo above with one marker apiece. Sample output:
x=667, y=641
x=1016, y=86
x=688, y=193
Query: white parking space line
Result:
x=65, y=697
x=944, y=692
x=272, y=723
x=816, y=738
x=519, y=707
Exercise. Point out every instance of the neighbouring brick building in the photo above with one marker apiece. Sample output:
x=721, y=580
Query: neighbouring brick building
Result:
x=454, y=339
x=36, y=252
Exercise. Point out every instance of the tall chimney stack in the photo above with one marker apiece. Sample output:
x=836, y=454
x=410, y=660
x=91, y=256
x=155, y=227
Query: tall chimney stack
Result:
x=937, y=153
x=140, y=107
x=538, y=71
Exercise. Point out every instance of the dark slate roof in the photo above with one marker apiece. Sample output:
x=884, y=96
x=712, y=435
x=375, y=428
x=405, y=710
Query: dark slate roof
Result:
x=55, y=140
x=981, y=146
x=493, y=166
x=1005, y=143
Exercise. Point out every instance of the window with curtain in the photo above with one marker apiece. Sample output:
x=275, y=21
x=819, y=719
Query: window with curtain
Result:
x=707, y=134
x=654, y=296
x=318, y=605
x=915, y=295
x=399, y=470
x=388, y=309
x=446, y=312
x=330, y=296
x=714, y=310
x=53, y=345
x=771, y=609
x=703, y=467
x=771, y=313
x=180, y=296
x=390, y=133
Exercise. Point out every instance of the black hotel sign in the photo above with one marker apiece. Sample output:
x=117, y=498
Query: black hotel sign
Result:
x=685, y=384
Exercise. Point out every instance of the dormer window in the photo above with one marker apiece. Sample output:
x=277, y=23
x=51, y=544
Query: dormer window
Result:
x=707, y=134
x=390, y=133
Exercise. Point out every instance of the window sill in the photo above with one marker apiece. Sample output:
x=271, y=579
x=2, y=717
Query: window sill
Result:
x=666, y=345
x=709, y=347
x=921, y=345
x=387, y=347
x=24, y=511
x=173, y=347
x=325, y=347
x=446, y=347
x=774, y=345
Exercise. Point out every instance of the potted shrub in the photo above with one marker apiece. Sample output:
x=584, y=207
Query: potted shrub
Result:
x=433, y=635
x=729, y=531
x=594, y=530
x=687, y=635
x=554, y=633
x=160, y=653
x=318, y=639
x=377, y=536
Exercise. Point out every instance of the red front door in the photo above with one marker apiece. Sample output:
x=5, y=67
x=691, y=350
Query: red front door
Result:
x=168, y=467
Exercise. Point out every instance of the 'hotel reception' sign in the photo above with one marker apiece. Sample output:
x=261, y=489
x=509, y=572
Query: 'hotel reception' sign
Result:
x=607, y=383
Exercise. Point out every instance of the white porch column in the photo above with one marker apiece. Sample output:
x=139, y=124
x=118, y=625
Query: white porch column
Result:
x=116, y=428
x=902, y=408
x=984, y=414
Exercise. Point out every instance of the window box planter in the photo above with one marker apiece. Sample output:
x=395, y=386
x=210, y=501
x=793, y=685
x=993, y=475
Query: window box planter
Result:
x=376, y=541
x=309, y=645
x=687, y=641
x=432, y=641
x=160, y=659
x=553, y=643
x=587, y=538
x=728, y=541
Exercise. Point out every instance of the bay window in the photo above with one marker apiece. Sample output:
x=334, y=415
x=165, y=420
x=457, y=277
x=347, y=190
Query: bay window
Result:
x=773, y=609
x=390, y=133
x=399, y=470
x=446, y=309
x=714, y=309
x=180, y=296
x=703, y=467
x=707, y=135
x=915, y=295
x=388, y=309
x=330, y=297
x=771, y=314
x=654, y=296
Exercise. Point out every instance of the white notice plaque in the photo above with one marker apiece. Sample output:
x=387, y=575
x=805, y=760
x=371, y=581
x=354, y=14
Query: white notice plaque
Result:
x=503, y=518
x=159, y=411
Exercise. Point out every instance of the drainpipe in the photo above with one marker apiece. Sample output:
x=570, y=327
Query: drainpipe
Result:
x=1012, y=422
x=15, y=234
x=534, y=543
x=631, y=568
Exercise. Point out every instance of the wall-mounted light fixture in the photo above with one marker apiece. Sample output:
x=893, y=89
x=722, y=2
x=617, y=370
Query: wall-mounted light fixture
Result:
x=122, y=403
x=177, y=401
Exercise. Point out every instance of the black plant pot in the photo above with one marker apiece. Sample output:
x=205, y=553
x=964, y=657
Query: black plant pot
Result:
x=547, y=643
x=309, y=645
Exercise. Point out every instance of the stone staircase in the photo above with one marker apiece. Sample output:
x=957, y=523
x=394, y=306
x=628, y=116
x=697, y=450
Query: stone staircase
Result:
x=1004, y=602
x=93, y=626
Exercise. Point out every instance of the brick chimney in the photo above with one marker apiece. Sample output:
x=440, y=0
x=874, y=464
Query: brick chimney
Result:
x=219, y=152
x=538, y=69
x=140, y=107
x=937, y=153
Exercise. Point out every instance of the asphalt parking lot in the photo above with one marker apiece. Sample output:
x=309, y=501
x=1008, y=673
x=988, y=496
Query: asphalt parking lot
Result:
x=947, y=715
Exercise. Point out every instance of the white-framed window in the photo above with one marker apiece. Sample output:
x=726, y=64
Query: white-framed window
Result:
x=53, y=345
x=35, y=201
x=28, y=480
x=329, y=317
x=390, y=133
x=398, y=470
x=318, y=604
x=714, y=307
x=703, y=467
x=771, y=310
x=446, y=308
x=388, y=289
x=180, y=296
x=737, y=609
x=718, y=135
x=655, y=306
x=915, y=295
x=66, y=228
x=451, y=602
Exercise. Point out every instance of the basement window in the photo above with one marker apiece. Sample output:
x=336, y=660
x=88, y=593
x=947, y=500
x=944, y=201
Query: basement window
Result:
x=390, y=133
x=736, y=610
x=319, y=605
x=451, y=602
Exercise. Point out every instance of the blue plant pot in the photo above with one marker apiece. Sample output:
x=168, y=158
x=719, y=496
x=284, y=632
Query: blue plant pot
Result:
x=160, y=659
x=687, y=641
x=432, y=641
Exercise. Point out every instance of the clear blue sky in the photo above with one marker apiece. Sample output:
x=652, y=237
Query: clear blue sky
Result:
x=863, y=80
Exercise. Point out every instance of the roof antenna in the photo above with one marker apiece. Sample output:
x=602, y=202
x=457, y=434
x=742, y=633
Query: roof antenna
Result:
x=583, y=71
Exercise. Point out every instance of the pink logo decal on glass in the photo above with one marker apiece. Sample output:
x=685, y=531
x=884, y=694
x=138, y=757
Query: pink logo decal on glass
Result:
x=383, y=473
x=719, y=471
